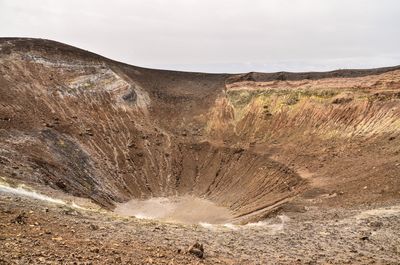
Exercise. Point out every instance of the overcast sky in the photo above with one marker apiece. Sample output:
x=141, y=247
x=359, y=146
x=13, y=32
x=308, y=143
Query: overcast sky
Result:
x=218, y=35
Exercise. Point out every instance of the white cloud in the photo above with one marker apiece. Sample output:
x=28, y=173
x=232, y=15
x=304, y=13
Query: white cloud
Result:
x=218, y=35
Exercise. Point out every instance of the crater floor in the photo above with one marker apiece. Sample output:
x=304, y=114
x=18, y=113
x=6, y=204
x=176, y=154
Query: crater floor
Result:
x=184, y=209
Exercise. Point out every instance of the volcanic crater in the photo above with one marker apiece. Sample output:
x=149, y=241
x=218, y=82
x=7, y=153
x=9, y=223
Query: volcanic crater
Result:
x=244, y=146
x=112, y=132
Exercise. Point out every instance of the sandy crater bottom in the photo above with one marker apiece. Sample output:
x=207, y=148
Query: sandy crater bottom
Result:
x=180, y=209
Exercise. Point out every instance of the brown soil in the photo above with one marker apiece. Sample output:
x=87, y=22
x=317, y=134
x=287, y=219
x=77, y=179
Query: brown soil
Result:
x=257, y=144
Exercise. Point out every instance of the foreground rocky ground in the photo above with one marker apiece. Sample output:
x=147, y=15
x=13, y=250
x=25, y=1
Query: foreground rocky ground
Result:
x=38, y=232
